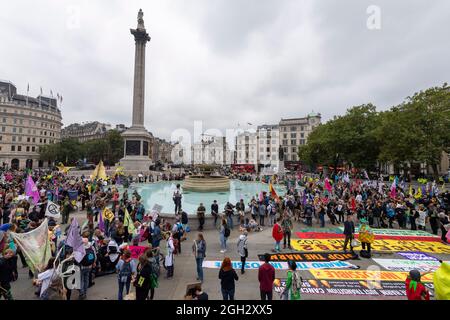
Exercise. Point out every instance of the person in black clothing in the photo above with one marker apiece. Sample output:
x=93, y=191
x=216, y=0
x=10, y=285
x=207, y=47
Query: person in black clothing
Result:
x=143, y=278
x=227, y=276
x=349, y=230
x=215, y=211
x=199, y=294
x=8, y=273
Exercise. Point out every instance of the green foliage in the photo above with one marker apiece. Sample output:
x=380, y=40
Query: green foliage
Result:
x=418, y=130
x=69, y=151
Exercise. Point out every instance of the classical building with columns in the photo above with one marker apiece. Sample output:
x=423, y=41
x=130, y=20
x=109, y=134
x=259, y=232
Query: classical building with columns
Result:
x=26, y=124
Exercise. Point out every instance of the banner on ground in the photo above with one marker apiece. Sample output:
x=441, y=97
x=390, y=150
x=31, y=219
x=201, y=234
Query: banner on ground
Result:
x=408, y=265
x=35, y=246
x=326, y=235
x=52, y=210
x=318, y=245
x=137, y=251
x=397, y=232
x=364, y=275
x=252, y=265
x=352, y=288
x=307, y=256
x=417, y=256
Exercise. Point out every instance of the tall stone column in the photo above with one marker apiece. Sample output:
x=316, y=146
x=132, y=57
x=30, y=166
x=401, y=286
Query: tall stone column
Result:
x=137, y=139
x=141, y=38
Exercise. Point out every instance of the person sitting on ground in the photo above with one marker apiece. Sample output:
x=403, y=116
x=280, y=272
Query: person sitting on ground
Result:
x=415, y=290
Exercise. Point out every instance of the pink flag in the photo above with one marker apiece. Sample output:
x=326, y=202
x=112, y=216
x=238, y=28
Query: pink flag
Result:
x=31, y=190
x=394, y=189
x=327, y=185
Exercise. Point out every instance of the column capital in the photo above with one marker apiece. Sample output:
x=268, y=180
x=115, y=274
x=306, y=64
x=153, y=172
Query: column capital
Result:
x=140, y=35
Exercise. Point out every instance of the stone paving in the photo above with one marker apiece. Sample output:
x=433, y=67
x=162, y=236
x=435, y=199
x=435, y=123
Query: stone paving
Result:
x=247, y=287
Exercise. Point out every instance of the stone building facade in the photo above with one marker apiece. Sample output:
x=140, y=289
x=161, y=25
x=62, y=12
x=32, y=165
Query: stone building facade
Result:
x=26, y=124
x=86, y=131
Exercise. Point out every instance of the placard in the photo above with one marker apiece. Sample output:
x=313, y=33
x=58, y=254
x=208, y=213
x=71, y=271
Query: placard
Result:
x=307, y=256
x=254, y=265
x=408, y=265
x=320, y=245
x=364, y=275
x=417, y=256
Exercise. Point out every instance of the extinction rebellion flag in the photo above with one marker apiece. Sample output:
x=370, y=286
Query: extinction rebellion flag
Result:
x=52, y=210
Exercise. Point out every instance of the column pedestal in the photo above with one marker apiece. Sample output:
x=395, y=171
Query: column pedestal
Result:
x=137, y=142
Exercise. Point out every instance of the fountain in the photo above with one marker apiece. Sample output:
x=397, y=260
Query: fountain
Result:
x=207, y=179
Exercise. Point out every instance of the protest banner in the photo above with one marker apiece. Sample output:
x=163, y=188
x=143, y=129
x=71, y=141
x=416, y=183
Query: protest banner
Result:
x=307, y=256
x=137, y=251
x=108, y=214
x=408, y=265
x=326, y=235
x=254, y=265
x=397, y=232
x=352, y=288
x=363, y=275
x=417, y=256
x=35, y=246
x=52, y=210
x=379, y=245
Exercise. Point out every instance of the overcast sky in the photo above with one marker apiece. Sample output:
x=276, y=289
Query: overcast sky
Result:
x=222, y=61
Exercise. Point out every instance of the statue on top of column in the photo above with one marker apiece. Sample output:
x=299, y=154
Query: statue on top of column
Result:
x=140, y=19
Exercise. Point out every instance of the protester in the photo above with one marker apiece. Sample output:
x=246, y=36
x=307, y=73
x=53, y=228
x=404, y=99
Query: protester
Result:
x=293, y=283
x=142, y=281
x=224, y=234
x=349, y=230
x=199, y=250
x=8, y=273
x=169, y=260
x=366, y=237
x=126, y=269
x=201, y=216
x=266, y=277
x=415, y=290
x=227, y=276
x=287, y=227
x=277, y=235
x=86, y=265
x=242, y=247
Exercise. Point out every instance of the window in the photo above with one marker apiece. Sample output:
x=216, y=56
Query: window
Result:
x=293, y=129
x=274, y=141
x=3, y=129
x=28, y=148
x=4, y=120
x=13, y=148
x=34, y=139
x=294, y=157
x=261, y=149
x=294, y=149
x=285, y=135
x=293, y=135
x=13, y=139
x=302, y=135
x=14, y=129
x=19, y=148
x=268, y=149
x=20, y=138
x=293, y=142
x=20, y=130
x=302, y=128
x=15, y=121
x=1, y=138
x=28, y=139
x=302, y=141
x=285, y=142
x=40, y=140
x=32, y=149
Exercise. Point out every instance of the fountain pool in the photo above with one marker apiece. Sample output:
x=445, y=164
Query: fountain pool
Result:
x=161, y=193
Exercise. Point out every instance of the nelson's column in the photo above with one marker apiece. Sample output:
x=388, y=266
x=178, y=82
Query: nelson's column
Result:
x=137, y=139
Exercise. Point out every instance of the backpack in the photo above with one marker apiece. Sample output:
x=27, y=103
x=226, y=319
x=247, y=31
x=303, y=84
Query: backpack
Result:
x=55, y=290
x=89, y=258
x=125, y=271
x=155, y=267
x=226, y=232
x=175, y=245
x=296, y=282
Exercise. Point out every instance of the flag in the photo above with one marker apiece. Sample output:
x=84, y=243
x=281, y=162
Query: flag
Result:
x=261, y=197
x=52, y=210
x=75, y=240
x=394, y=188
x=418, y=194
x=128, y=222
x=35, y=246
x=51, y=93
x=273, y=192
x=41, y=90
x=410, y=190
x=353, y=204
x=328, y=185
x=366, y=176
x=101, y=223
x=28, y=88
x=304, y=199
x=31, y=190
x=108, y=214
